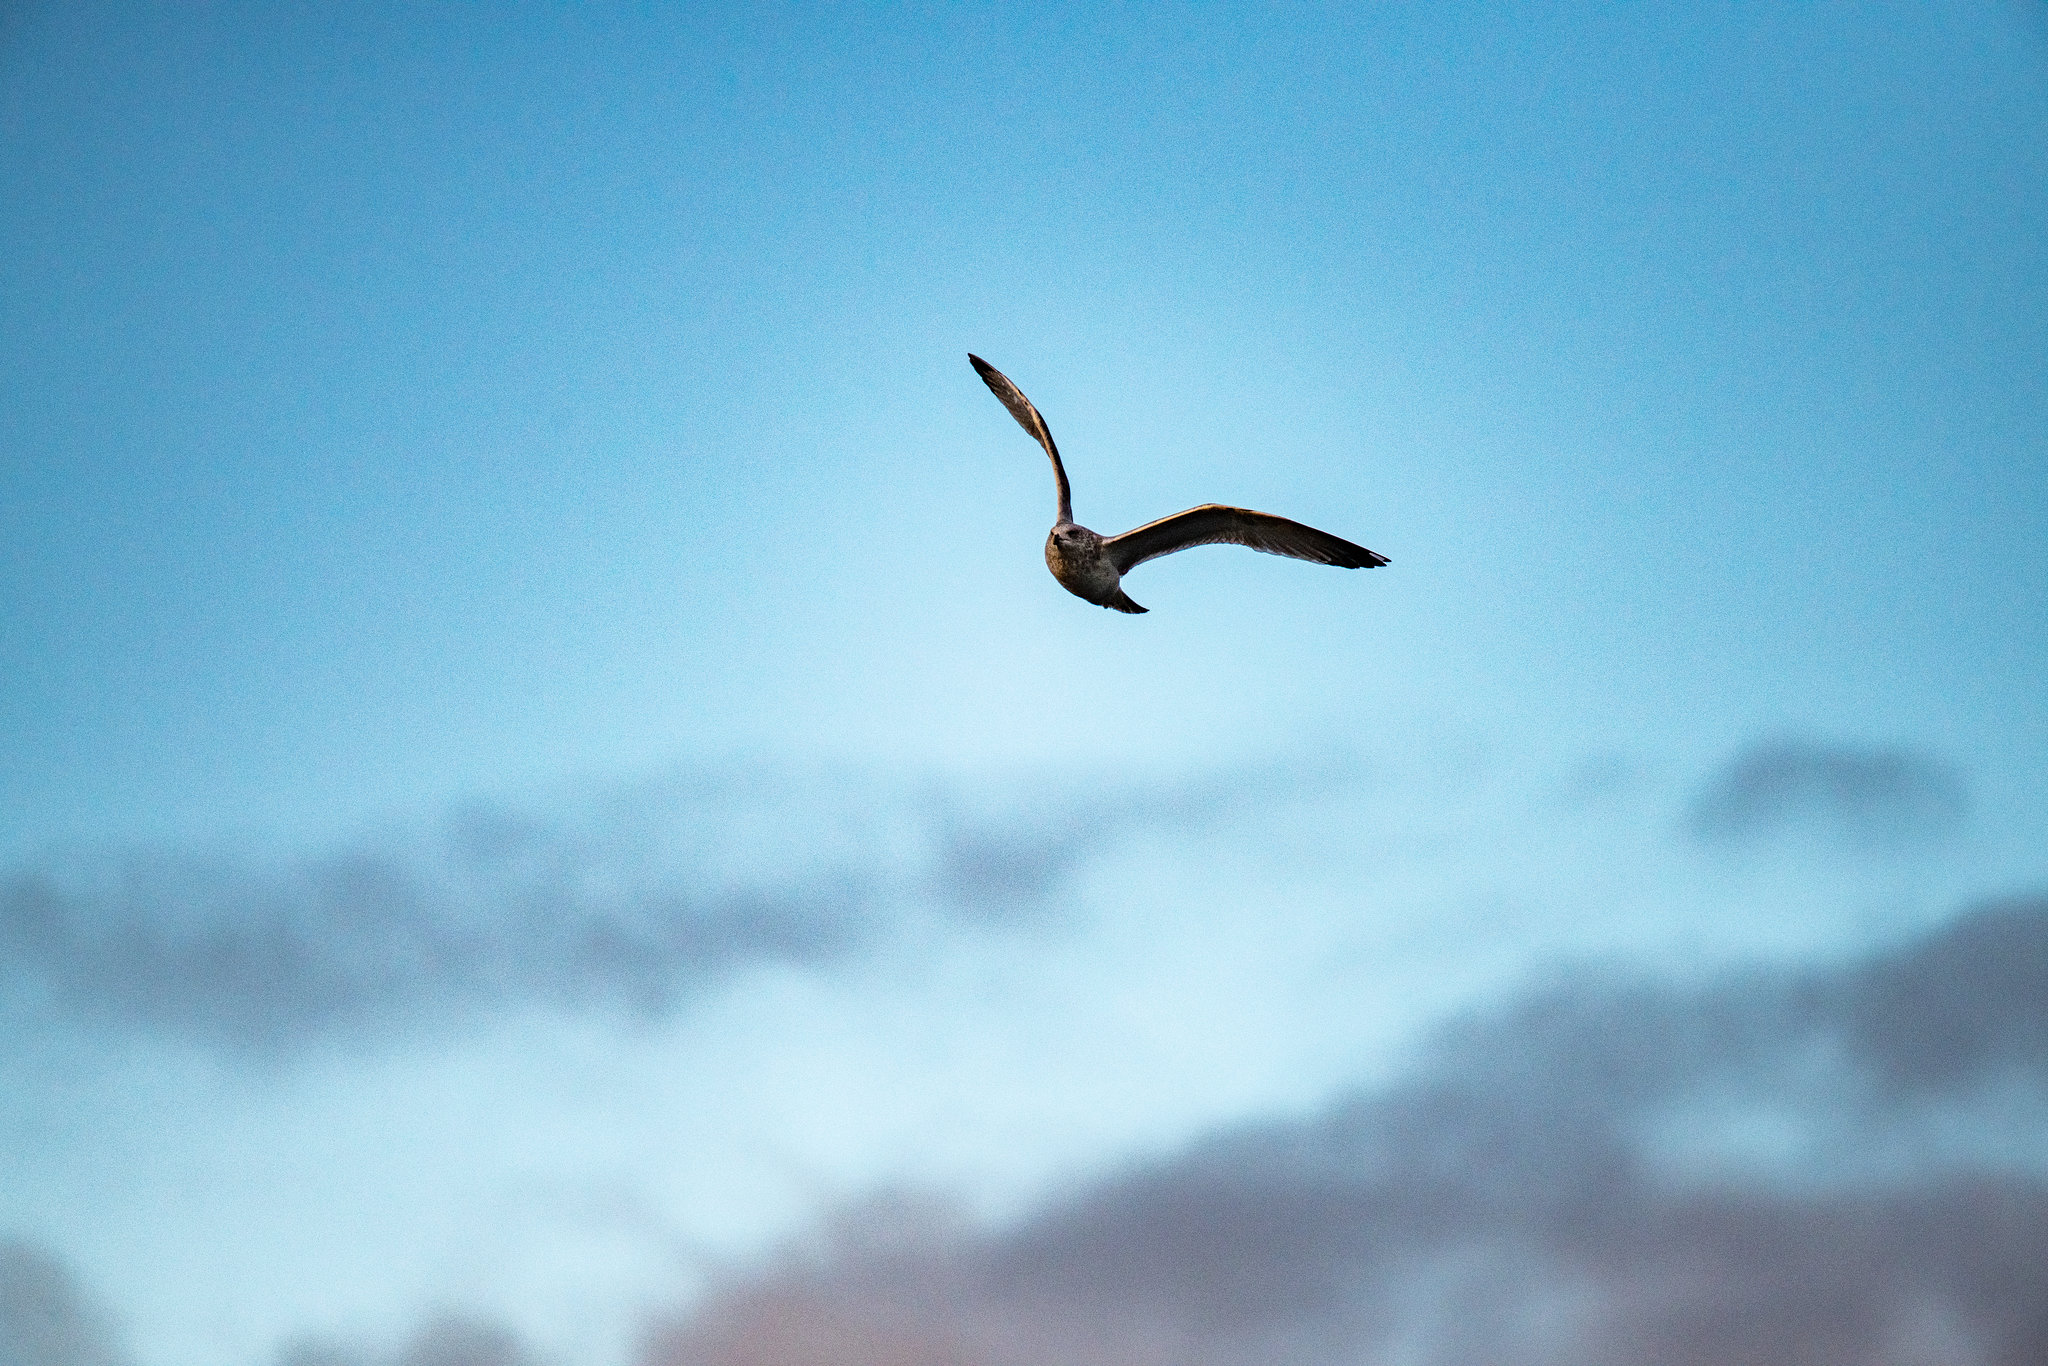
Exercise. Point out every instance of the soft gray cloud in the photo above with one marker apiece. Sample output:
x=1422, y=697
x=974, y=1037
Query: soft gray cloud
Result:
x=45, y=1318
x=1811, y=1168
x=445, y=1341
x=377, y=939
x=638, y=902
x=1868, y=798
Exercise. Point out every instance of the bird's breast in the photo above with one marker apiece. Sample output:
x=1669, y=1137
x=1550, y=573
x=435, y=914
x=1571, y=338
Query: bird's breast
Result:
x=1083, y=567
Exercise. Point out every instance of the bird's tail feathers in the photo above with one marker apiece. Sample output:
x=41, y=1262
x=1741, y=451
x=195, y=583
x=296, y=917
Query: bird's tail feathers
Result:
x=1122, y=603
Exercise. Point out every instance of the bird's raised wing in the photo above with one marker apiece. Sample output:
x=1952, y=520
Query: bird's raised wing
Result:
x=1027, y=417
x=1214, y=524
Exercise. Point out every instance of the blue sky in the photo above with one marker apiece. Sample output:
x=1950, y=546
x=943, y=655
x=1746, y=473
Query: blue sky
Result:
x=534, y=716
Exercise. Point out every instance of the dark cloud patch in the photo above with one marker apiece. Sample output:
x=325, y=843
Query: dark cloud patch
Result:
x=495, y=913
x=1001, y=875
x=1967, y=1006
x=1598, y=1175
x=637, y=904
x=1869, y=799
x=445, y=1341
x=45, y=1318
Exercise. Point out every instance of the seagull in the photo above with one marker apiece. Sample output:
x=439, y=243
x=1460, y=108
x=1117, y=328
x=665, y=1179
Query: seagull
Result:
x=1092, y=566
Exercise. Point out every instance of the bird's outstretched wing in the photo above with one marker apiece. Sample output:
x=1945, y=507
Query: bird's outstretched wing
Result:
x=1027, y=417
x=1214, y=524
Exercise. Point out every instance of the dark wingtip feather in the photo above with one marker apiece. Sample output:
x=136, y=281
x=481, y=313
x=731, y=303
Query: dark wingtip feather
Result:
x=1347, y=555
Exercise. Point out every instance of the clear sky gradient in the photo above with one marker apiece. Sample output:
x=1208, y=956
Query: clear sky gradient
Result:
x=538, y=754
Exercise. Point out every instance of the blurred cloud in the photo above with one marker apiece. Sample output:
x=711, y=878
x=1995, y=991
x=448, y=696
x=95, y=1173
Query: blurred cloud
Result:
x=1970, y=1003
x=1867, y=798
x=261, y=957
x=450, y=1341
x=638, y=903
x=1820, y=1166
x=1806, y=1167
x=45, y=1318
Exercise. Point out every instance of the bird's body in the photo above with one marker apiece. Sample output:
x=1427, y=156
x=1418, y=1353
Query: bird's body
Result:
x=1080, y=560
x=1091, y=566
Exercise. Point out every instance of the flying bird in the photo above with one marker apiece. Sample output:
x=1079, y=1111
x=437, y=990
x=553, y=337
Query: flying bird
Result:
x=1092, y=566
